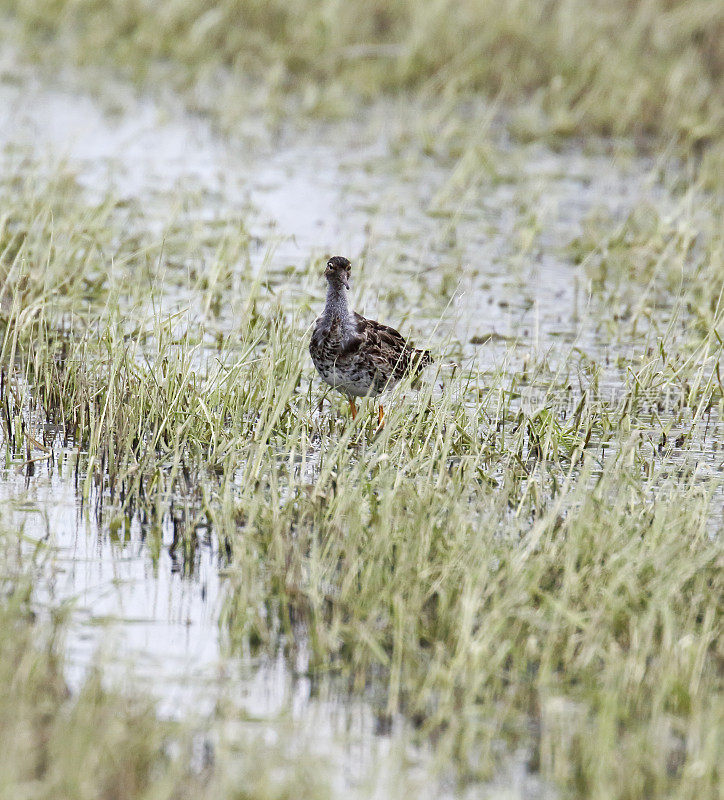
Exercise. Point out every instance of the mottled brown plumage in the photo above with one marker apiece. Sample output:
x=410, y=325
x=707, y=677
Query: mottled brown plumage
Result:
x=358, y=356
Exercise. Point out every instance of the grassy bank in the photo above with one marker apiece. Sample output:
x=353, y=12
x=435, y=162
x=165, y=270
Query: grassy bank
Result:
x=568, y=68
x=516, y=560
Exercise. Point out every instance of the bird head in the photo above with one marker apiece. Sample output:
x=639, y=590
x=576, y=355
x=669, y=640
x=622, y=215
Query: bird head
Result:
x=338, y=271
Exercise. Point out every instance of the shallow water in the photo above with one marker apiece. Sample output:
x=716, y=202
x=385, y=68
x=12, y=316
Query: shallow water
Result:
x=480, y=260
x=485, y=261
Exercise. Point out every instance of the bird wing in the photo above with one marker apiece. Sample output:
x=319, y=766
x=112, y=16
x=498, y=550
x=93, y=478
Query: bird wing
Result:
x=388, y=349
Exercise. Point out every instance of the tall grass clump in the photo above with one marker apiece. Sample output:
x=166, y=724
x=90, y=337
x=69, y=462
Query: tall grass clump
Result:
x=585, y=621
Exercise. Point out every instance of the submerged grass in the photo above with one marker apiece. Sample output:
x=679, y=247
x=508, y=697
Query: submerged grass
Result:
x=102, y=744
x=505, y=563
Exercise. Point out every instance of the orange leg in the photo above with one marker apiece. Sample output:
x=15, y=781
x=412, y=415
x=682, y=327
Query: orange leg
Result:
x=381, y=417
x=352, y=408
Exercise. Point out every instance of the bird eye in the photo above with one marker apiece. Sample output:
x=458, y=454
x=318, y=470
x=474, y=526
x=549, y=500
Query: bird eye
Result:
x=329, y=264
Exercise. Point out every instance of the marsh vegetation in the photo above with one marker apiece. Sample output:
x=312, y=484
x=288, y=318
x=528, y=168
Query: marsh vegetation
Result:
x=214, y=582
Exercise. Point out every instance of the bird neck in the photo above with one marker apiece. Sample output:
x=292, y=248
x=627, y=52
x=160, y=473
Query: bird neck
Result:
x=336, y=306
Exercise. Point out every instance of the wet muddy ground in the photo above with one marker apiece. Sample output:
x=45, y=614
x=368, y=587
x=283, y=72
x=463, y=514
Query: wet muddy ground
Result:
x=476, y=262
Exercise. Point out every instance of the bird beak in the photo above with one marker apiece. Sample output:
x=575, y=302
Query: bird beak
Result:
x=345, y=281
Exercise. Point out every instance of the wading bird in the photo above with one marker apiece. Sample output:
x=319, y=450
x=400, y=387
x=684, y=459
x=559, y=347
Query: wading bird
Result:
x=359, y=357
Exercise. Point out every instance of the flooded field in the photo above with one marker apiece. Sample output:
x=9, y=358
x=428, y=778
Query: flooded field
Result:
x=222, y=548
